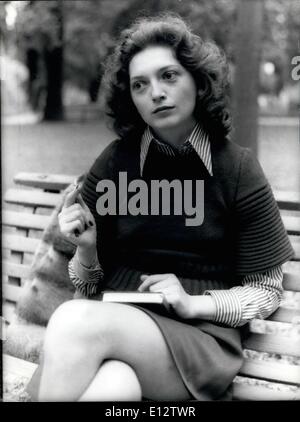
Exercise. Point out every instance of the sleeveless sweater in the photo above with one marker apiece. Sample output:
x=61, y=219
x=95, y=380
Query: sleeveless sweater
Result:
x=241, y=233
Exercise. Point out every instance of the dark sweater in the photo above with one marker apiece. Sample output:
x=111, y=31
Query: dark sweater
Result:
x=242, y=232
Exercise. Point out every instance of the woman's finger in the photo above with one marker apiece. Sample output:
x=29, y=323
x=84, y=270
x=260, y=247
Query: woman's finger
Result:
x=161, y=286
x=74, y=228
x=69, y=216
x=82, y=203
x=73, y=216
x=147, y=281
x=70, y=198
x=88, y=215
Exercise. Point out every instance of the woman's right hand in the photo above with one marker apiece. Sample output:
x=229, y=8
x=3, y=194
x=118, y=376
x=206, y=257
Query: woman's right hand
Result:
x=76, y=222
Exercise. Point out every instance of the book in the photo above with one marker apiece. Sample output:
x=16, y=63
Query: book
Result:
x=148, y=298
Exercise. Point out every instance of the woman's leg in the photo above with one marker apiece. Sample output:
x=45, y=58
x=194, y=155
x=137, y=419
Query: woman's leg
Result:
x=115, y=381
x=82, y=334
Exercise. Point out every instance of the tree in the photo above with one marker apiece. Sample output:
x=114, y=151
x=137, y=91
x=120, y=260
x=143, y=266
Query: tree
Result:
x=246, y=79
x=3, y=28
x=40, y=36
x=53, y=56
x=88, y=40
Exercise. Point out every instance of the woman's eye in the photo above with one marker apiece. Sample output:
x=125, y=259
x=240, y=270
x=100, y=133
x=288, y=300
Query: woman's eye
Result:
x=170, y=75
x=138, y=85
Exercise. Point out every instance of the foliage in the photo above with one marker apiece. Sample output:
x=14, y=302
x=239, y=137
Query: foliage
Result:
x=86, y=28
x=91, y=27
x=87, y=37
x=3, y=29
x=37, y=26
x=211, y=20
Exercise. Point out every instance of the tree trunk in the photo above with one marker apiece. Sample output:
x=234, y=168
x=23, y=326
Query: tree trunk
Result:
x=32, y=63
x=54, y=71
x=246, y=76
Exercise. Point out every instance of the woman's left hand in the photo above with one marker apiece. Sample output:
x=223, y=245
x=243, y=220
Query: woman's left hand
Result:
x=171, y=288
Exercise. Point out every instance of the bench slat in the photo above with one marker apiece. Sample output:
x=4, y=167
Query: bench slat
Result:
x=274, y=343
x=25, y=220
x=15, y=270
x=291, y=267
x=32, y=197
x=287, y=200
x=292, y=224
x=295, y=241
x=19, y=243
x=8, y=311
x=291, y=281
x=20, y=367
x=44, y=181
x=272, y=371
x=285, y=315
x=11, y=292
x=260, y=390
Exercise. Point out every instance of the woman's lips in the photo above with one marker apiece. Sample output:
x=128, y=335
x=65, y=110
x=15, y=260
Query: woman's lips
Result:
x=162, y=108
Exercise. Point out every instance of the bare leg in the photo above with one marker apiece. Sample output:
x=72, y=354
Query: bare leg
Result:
x=83, y=334
x=115, y=381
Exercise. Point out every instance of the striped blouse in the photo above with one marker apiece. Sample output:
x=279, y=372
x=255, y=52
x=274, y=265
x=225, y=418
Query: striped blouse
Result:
x=259, y=294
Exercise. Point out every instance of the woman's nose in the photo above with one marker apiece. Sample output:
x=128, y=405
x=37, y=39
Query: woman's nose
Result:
x=157, y=92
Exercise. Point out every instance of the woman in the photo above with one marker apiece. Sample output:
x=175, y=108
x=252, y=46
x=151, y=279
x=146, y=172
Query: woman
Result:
x=166, y=96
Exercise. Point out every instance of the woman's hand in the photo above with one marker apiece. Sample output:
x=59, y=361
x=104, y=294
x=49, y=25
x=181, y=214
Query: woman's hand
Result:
x=76, y=221
x=171, y=288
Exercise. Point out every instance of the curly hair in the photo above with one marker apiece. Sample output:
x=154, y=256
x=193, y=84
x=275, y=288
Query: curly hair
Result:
x=203, y=59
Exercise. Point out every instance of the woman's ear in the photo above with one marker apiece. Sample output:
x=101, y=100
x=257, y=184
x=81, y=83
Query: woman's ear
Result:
x=204, y=87
x=200, y=93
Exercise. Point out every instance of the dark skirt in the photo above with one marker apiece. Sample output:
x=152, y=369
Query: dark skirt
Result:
x=207, y=355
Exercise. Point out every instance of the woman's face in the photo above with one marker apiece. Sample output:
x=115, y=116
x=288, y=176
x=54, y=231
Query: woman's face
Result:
x=163, y=91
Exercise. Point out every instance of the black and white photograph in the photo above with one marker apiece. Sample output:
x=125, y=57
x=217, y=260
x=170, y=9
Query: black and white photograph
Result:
x=150, y=214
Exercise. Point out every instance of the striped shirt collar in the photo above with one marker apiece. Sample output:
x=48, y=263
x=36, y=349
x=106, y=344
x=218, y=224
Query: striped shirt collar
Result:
x=197, y=140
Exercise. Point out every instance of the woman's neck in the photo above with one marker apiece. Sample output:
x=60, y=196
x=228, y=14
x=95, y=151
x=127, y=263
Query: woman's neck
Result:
x=175, y=136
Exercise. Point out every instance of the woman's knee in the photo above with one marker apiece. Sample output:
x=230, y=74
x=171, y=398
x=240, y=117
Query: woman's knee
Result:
x=115, y=381
x=76, y=320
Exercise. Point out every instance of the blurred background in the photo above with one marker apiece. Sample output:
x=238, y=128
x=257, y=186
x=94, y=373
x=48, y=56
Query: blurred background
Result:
x=52, y=62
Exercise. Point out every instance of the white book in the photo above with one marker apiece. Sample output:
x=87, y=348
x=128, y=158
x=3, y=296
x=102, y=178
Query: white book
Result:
x=135, y=297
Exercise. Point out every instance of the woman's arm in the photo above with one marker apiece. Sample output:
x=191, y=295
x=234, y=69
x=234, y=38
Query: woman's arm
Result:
x=203, y=307
x=258, y=297
x=77, y=223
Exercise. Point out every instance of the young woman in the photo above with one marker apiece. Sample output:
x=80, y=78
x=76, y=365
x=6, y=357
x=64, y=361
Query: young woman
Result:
x=218, y=270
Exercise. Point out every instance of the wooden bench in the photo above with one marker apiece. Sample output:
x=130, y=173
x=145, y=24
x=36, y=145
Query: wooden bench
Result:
x=272, y=353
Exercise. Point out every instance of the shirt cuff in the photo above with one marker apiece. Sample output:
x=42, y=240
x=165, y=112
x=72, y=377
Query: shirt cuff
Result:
x=228, y=306
x=90, y=274
x=85, y=279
